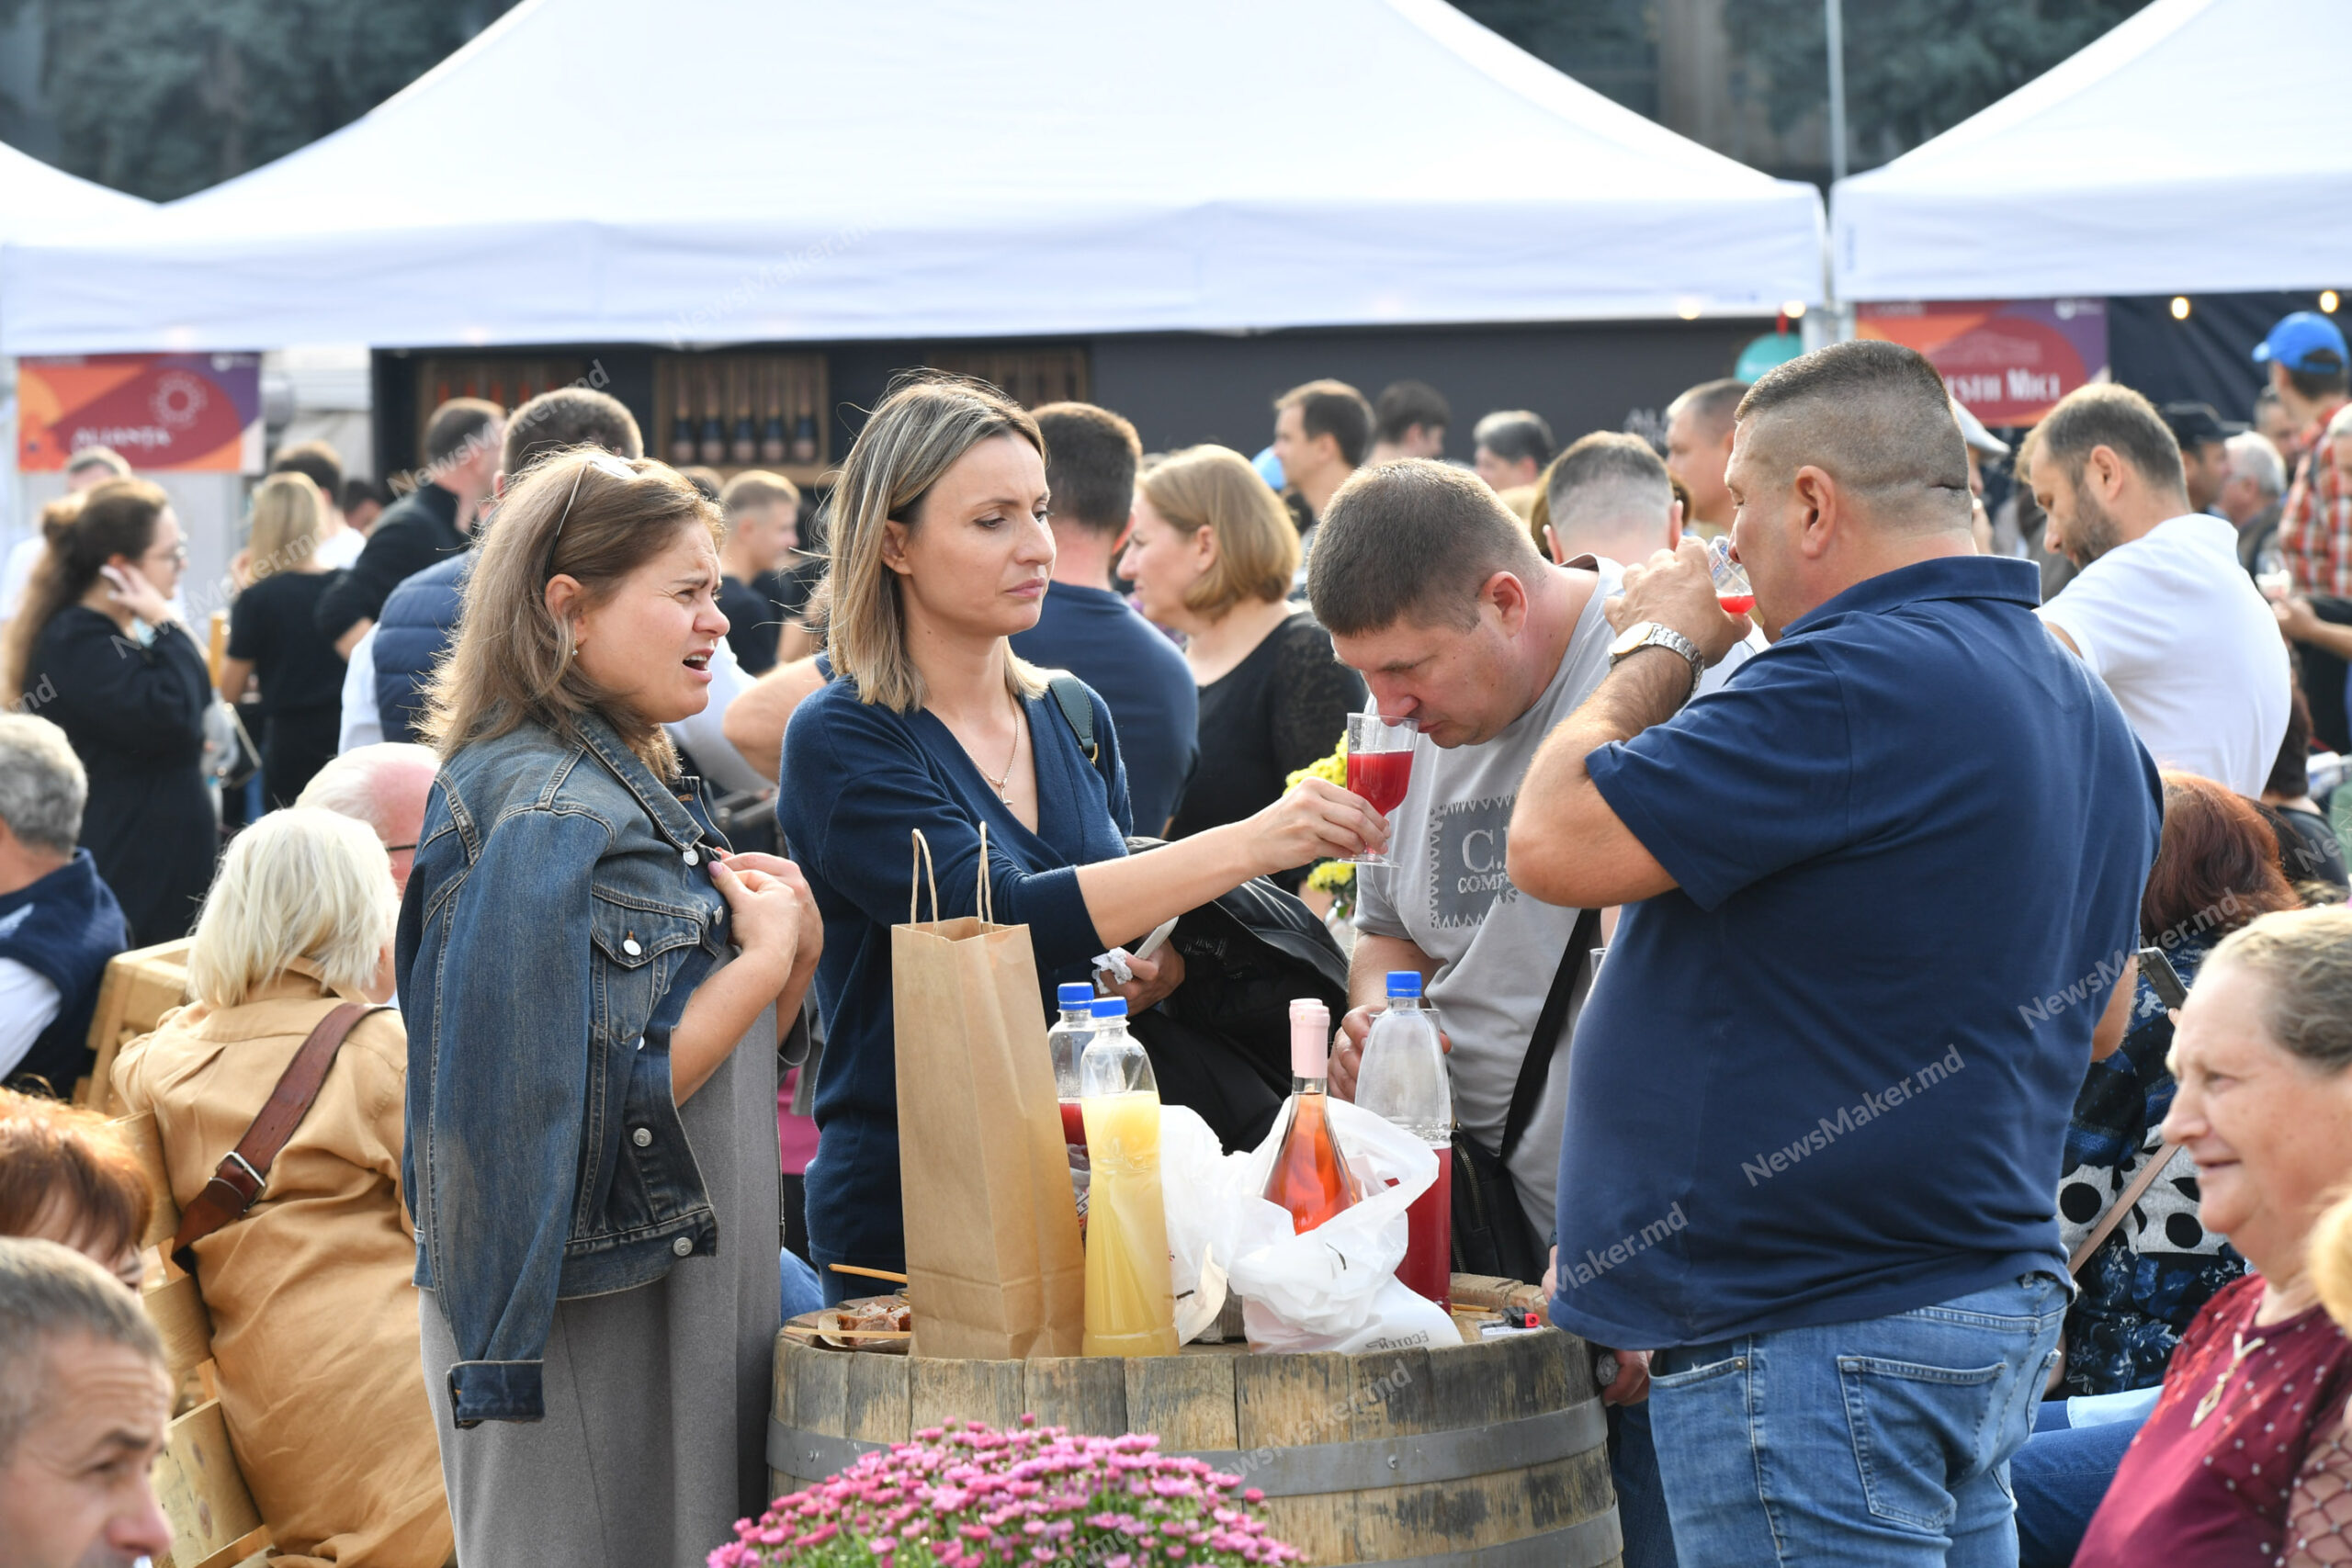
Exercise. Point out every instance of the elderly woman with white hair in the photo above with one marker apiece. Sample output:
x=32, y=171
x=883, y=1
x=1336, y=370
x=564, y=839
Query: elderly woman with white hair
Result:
x=314, y=1311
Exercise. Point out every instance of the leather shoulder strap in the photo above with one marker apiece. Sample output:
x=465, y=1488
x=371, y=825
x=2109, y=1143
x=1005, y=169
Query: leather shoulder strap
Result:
x=1070, y=696
x=2120, y=1207
x=1535, y=1068
x=238, y=1180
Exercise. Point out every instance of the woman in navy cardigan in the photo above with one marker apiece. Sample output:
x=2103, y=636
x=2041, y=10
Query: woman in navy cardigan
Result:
x=940, y=551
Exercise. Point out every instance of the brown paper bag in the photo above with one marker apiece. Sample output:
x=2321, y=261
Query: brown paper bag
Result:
x=994, y=1266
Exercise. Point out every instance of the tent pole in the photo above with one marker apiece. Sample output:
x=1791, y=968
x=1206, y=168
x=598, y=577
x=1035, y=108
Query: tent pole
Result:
x=1834, y=16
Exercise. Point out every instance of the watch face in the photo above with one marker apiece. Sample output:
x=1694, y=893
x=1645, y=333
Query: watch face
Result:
x=1630, y=640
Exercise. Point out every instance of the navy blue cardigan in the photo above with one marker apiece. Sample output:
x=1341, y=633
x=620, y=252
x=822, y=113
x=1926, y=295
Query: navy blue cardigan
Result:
x=857, y=778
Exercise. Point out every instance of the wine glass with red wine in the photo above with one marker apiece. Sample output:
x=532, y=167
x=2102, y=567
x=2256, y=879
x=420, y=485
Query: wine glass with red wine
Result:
x=1731, y=591
x=1380, y=764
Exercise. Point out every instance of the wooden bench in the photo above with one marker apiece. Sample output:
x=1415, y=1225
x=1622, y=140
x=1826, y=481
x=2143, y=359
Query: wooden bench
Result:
x=214, y=1521
x=138, y=988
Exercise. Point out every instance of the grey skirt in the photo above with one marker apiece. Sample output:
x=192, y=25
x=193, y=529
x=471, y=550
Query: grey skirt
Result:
x=654, y=1441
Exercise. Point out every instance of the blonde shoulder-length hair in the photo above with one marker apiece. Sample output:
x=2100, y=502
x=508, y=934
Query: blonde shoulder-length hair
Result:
x=299, y=883
x=927, y=421
x=586, y=515
x=288, y=515
x=1257, y=544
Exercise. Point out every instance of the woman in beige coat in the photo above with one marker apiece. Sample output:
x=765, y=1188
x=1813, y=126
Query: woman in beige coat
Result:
x=314, y=1311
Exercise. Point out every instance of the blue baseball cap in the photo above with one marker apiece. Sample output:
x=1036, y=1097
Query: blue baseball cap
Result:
x=2305, y=341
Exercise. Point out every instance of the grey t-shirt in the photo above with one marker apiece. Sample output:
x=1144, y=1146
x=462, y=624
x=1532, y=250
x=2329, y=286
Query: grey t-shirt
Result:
x=1497, y=949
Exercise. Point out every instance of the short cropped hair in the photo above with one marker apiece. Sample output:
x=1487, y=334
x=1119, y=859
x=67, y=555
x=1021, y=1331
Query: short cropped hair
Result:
x=349, y=784
x=1403, y=404
x=565, y=417
x=1603, y=478
x=49, y=1292
x=42, y=786
x=2122, y=421
x=1876, y=417
x=1336, y=409
x=316, y=461
x=1715, y=404
x=2319, y=386
x=1515, y=436
x=299, y=883
x=1257, y=546
x=1413, y=539
x=753, y=489
x=2304, y=959
x=456, y=425
x=67, y=1174
x=2252, y=454
x=358, y=491
x=105, y=458
x=1091, y=455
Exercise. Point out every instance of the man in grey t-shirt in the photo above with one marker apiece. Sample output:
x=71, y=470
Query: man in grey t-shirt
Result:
x=1436, y=594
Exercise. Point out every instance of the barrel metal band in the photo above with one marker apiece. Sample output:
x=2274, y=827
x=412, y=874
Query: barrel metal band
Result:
x=1587, y=1543
x=1308, y=1468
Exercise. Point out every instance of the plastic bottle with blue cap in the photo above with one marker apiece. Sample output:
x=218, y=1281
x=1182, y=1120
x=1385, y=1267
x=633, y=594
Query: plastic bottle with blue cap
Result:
x=1404, y=1077
x=1130, y=1293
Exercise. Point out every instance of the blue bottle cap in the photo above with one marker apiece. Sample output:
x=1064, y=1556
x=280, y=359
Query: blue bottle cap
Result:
x=1404, y=983
x=1076, y=996
x=1110, y=1007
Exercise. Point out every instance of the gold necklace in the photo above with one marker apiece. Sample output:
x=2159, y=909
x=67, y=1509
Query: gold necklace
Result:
x=999, y=783
x=2240, y=1348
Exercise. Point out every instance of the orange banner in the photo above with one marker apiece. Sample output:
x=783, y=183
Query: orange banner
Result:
x=189, y=413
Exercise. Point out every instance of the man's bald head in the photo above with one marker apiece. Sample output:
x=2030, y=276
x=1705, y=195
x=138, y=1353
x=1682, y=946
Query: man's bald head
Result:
x=1876, y=418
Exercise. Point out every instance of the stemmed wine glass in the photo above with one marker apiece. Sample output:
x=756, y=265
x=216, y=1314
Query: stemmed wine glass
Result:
x=1380, y=765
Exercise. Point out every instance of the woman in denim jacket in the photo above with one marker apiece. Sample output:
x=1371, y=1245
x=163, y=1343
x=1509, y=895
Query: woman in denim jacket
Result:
x=592, y=985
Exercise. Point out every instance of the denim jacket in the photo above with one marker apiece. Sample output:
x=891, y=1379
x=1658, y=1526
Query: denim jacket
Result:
x=560, y=914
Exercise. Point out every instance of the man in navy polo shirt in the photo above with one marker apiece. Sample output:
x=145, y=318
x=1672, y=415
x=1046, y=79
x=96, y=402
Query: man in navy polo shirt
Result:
x=1882, y=886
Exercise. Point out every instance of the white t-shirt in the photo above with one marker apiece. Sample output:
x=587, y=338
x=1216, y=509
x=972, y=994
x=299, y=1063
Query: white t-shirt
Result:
x=363, y=722
x=339, y=549
x=1497, y=949
x=2180, y=635
x=28, y=1001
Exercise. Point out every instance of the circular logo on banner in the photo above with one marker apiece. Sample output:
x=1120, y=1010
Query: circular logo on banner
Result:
x=180, y=399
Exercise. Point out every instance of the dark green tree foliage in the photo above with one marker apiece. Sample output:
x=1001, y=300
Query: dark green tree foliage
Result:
x=1913, y=68
x=1608, y=45
x=162, y=97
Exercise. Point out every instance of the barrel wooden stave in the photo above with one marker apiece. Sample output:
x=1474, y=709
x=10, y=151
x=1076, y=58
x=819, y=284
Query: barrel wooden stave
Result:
x=1245, y=1406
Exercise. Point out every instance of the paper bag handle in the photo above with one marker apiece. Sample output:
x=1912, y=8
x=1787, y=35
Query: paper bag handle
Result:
x=918, y=878
x=984, y=895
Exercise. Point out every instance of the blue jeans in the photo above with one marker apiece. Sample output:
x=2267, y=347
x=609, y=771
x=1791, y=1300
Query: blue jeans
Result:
x=1886, y=1441
x=802, y=1290
x=1641, y=1499
x=2060, y=1477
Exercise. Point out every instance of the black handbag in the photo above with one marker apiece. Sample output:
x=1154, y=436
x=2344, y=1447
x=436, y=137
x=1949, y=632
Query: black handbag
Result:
x=1492, y=1235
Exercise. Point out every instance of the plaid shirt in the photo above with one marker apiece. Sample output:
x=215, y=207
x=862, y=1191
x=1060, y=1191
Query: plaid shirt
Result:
x=2315, y=526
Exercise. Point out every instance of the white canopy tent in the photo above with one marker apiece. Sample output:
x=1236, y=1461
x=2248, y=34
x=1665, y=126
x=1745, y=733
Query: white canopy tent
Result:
x=712, y=171
x=2201, y=146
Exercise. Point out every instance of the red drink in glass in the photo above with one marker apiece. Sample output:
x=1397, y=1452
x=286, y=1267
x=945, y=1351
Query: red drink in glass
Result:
x=1380, y=777
x=1428, y=1269
x=1735, y=603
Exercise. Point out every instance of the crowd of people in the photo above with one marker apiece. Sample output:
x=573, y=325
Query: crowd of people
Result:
x=577, y=828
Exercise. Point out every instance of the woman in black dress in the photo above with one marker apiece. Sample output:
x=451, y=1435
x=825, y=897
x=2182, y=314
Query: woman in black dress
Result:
x=273, y=631
x=98, y=650
x=1212, y=557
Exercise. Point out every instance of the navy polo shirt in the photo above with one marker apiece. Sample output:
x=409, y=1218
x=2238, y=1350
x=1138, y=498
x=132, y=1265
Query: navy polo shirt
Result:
x=1827, y=1076
x=1093, y=634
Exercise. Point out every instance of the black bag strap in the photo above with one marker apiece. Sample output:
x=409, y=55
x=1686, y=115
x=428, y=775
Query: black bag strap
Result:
x=1535, y=1068
x=1071, y=695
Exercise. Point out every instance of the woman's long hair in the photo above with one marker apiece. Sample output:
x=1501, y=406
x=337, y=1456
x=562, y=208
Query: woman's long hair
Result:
x=928, y=419
x=82, y=533
x=586, y=515
x=289, y=514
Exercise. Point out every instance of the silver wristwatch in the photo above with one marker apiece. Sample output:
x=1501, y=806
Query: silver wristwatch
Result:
x=1649, y=634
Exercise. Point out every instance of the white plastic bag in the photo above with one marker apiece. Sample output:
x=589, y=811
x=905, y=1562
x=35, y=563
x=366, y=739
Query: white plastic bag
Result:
x=1192, y=1180
x=1335, y=1287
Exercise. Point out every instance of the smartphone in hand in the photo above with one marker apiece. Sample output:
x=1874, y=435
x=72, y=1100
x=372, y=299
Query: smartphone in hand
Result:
x=2162, y=976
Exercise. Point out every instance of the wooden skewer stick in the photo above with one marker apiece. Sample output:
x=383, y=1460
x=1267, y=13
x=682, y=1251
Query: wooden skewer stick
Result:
x=867, y=1273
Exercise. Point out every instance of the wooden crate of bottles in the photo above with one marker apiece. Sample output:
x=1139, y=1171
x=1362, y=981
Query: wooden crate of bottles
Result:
x=1031, y=377
x=732, y=411
x=506, y=381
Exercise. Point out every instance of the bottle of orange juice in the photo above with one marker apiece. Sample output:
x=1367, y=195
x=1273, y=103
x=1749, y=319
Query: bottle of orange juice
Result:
x=1130, y=1301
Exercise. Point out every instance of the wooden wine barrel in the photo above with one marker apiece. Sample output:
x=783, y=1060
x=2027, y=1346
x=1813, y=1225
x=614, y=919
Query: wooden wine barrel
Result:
x=1490, y=1455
